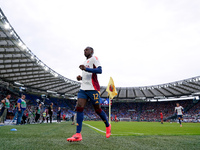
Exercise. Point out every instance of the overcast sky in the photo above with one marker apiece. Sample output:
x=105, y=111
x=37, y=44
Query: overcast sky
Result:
x=138, y=43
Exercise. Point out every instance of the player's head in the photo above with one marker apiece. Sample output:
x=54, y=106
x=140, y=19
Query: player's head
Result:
x=88, y=51
x=8, y=96
x=23, y=96
x=177, y=104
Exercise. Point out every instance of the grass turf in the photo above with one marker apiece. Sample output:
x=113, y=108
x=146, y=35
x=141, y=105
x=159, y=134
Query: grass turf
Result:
x=151, y=135
x=149, y=128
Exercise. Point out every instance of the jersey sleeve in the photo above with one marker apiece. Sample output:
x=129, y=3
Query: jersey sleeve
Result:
x=19, y=101
x=96, y=62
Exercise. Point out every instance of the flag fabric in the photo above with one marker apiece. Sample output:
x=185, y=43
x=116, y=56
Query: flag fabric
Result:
x=112, y=92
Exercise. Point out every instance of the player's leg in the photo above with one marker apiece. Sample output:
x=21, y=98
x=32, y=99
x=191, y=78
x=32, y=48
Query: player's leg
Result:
x=180, y=118
x=95, y=98
x=15, y=117
x=79, y=119
x=50, y=116
x=75, y=119
x=81, y=102
x=80, y=115
x=101, y=114
x=161, y=120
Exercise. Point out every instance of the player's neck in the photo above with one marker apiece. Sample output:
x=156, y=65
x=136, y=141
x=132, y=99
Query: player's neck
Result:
x=89, y=57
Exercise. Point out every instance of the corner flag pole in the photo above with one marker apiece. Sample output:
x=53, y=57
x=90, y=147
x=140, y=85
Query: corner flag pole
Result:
x=112, y=92
x=109, y=117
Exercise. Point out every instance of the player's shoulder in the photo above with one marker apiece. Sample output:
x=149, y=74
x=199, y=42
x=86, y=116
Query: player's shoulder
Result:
x=95, y=58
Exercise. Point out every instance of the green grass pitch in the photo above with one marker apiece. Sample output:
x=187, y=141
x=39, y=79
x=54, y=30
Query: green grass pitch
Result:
x=125, y=135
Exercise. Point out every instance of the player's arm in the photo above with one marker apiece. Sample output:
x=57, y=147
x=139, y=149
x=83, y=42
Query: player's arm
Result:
x=3, y=102
x=18, y=105
x=182, y=110
x=91, y=70
x=175, y=110
x=36, y=110
x=94, y=70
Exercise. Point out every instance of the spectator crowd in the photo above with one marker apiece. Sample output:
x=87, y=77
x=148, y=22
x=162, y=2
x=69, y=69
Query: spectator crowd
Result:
x=38, y=110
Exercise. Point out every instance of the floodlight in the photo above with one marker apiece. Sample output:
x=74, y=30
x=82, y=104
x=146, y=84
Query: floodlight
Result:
x=41, y=64
x=24, y=47
x=17, y=83
x=7, y=26
x=32, y=57
x=56, y=75
x=48, y=91
x=20, y=43
x=11, y=32
x=46, y=68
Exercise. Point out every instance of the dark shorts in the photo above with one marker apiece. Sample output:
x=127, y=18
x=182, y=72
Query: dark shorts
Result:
x=90, y=95
x=180, y=116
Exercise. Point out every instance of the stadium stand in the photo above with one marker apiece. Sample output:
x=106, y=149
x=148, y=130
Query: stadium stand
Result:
x=22, y=71
x=136, y=111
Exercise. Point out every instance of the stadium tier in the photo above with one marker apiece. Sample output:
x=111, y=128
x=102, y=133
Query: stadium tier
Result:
x=124, y=111
x=20, y=67
x=23, y=72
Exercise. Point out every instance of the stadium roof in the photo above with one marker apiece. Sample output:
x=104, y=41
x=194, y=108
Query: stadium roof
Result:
x=18, y=65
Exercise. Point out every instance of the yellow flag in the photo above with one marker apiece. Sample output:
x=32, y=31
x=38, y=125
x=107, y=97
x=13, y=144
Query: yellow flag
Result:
x=112, y=92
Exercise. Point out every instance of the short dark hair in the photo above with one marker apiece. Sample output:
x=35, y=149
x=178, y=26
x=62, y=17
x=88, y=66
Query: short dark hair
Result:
x=90, y=48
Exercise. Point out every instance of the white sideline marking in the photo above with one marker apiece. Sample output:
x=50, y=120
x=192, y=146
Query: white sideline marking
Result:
x=111, y=134
x=94, y=128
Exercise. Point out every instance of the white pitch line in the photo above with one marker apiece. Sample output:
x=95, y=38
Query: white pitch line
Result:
x=94, y=128
x=111, y=134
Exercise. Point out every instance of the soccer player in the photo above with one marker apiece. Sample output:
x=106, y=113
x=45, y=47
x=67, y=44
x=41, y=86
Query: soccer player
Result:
x=161, y=117
x=179, y=111
x=89, y=90
x=116, y=120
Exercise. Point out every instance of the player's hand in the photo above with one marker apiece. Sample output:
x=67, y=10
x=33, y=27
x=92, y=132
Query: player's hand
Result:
x=82, y=67
x=79, y=78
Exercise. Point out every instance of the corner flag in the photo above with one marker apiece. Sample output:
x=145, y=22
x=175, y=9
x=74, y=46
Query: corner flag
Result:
x=112, y=92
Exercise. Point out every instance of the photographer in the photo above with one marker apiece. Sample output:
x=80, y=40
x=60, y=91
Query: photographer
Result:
x=15, y=112
x=21, y=106
x=38, y=110
x=4, y=108
x=58, y=115
x=50, y=111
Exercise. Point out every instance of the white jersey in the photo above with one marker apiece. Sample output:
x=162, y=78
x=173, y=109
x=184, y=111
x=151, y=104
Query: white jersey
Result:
x=89, y=80
x=179, y=110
